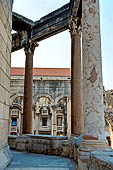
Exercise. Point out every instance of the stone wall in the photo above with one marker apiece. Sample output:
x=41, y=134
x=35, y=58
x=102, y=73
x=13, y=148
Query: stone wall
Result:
x=54, y=87
x=49, y=93
x=5, y=53
x=43, y=144
x=94, y=156
x=101, y=160
x=87, y=158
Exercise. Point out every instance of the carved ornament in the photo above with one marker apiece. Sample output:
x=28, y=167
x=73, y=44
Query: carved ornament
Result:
x=74, y=26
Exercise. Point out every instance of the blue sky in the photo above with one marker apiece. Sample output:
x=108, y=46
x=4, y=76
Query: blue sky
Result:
x=106, y=12
x=55, y=51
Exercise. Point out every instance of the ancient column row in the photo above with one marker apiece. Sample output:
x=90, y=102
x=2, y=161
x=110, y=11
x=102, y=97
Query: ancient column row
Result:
x=87, y=114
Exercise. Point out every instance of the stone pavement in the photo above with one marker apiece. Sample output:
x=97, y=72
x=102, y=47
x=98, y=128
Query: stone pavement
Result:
x=31, y=161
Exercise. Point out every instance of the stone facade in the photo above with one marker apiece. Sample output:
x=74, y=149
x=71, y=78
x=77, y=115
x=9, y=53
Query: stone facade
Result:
x=51, y=109
x=5, y=54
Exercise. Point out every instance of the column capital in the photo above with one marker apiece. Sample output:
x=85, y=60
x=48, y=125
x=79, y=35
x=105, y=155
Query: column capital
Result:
x=27, y=43
x=75, y=26
x=29, y=46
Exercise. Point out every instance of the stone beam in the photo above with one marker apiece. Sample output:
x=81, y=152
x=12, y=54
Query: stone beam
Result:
x=47, y=26
x=76, y=8
x=51, y=24
x=20, y=23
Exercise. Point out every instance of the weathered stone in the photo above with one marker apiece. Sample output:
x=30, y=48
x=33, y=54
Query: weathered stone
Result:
x=12, y=141
x=5, y=44
x=22, y=143
x=92, y=70
x=5, y=157
x=46, y=144
x=100, y=160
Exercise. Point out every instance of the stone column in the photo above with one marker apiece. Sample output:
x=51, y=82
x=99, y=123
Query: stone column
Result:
x=54, y=122
x=77, y=120
x=92, y=70
x=28, y=81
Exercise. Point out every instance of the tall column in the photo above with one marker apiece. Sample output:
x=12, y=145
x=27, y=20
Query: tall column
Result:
x=28, y=81
x=92, y=70
x=77, y=120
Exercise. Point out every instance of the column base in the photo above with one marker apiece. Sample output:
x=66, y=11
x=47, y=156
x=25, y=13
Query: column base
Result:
x=88, y=146
x=5, y=157
x=94, y=144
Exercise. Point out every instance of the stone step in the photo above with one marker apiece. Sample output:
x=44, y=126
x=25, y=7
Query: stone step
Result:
x=40, y=168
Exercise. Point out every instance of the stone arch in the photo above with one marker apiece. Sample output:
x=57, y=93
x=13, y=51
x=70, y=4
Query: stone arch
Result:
x=49, y=102
x=15, y=95
x=43, y=109
x=36, y=96
x=61, y=113
x=61, y=97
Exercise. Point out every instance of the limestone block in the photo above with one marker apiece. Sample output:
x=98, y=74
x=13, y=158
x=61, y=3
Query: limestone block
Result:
x=1, y=110
x=101, y=160
x=4, y=33
x=22, y=143
x=8, y=55
x=3, y=46
x=4, y=80
x=5, y=43
x=2, y=13
x=3, y=63
x=7, y=6
x=5, y=157
x=5, y=93
x=46, y=144
x=9, y=43
x=8, y=70
x=3, y=131
x=12, y=141
x=65, y=149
